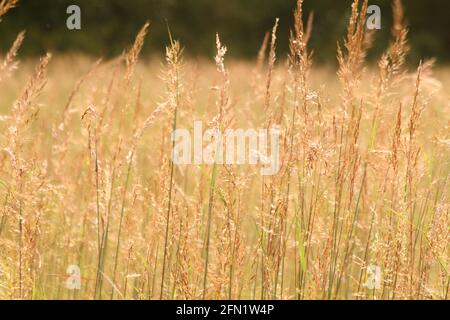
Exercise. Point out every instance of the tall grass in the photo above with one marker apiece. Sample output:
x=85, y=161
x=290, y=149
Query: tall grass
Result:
x=86, y=176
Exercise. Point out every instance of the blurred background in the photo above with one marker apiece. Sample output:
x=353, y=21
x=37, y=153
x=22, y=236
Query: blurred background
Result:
x=109, y=26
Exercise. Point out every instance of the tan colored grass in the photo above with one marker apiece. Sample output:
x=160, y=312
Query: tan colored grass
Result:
x=86, y=176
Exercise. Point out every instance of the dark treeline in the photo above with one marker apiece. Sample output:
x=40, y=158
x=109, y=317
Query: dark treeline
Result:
x=109, y=26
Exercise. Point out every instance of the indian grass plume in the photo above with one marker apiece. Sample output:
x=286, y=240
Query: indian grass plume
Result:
x=25, y=109
x=300, y=62
x=9, y=64
x=132, y=56
x=124, y=101
x=6, y=5
x=33, y=89
x=25, y=112
x=411, y=165
x=90, y=118
x=262, y=51
x=271, y=64
x=173, y=84
x=396, y=141
x=309, y=27
x=223, y=200
x=265, y=187
x=392, y=61
x=220, y=122
x=257, y=83
x=350, y=69
x=390, y=66
x=350, y=62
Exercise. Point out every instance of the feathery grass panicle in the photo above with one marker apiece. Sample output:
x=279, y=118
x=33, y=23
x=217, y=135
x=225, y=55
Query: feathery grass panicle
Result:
x=224, y=116
x=9, y=64
x=351, y=60
x=173, y=89
x=34, y=86
x=262, y=51
x=271, y=64
x=219, y=122
x=24, y=112
x=390, y=67
x=6, y=5
x=132, y=56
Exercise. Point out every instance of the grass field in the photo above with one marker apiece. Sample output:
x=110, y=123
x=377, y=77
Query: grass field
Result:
x=86, y=177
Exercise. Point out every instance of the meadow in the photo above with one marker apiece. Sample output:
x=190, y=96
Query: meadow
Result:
x=86, y=176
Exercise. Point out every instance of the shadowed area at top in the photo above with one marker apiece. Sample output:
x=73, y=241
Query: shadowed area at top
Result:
x=108, y=26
